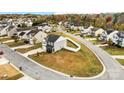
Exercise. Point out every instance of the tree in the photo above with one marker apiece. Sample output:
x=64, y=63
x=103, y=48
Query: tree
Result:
x=110, y=43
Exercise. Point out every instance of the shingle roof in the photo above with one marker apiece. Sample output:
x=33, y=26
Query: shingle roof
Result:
x=22, y=33
x=32, y=32
x=52, y=38
x=109, y=31
x=120, y=34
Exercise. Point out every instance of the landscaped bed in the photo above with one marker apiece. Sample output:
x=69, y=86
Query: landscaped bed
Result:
x=113, y=50
x=82, y=63
x=10, y=71
x=15, y=44
x=121, y=61
x=24, y=50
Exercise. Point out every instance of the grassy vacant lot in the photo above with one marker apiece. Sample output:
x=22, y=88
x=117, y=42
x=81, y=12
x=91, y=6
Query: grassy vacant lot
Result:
x=114, y=50
x=14, y=44
x=11, y=72
x=121, y=61
x=24, y=50
x=5, y=39
x=82, y=63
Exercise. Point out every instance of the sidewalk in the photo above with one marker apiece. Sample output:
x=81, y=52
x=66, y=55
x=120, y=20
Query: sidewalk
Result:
x=118, y=56
x=33, y=51
x=8, y=41
x=23, y=46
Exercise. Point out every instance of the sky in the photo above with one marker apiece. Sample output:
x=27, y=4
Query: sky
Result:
x=61, y=6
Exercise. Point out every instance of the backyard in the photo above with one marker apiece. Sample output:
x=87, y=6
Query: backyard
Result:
x=113, y=50
x=5, y=39
x=10, y=71
x=82, y=63
x=24, y=50
x=15, y=44
x=97, y=42
x=121, y=61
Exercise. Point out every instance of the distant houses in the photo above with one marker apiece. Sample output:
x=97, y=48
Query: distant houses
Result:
x=120, y=40
x=109, y=34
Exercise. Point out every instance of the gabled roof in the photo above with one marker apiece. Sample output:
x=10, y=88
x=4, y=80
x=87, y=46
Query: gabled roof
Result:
x=22, y=33
x=32, y=32
x=109, y=31
x=120, y=34
x=52, y=38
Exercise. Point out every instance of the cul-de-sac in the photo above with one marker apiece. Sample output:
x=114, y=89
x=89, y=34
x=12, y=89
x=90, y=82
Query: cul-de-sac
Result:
x=62, y=46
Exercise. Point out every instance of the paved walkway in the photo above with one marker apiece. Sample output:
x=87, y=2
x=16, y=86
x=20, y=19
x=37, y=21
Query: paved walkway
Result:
x=118, y=56
x=102, y=45
x=33, y=51
x=113, y=68
x=3, y=37
x=23, y=46
x=90, y=39
x=8, y=41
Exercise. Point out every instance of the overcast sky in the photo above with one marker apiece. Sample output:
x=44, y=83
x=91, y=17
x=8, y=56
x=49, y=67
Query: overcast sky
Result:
x=62, y=6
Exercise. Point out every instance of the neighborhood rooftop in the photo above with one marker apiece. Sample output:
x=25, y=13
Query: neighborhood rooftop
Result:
x=52, y=37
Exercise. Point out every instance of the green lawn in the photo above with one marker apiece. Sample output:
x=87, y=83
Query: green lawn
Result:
x=96, y=42
x=114, y=50
x=87, y=37
x=82, y=63
x=70, y=44
x=24, y=50
x=73, y=32
x=15, y=44
x=5, y=39
x=121, y=61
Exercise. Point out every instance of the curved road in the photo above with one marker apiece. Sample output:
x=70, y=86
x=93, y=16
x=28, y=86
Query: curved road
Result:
x=113, y=68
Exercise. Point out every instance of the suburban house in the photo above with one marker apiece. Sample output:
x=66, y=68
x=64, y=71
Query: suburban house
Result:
x=87, y=31
x=107, y=35
x=3, y=30
x=11, y=31
x=36, y=36
x=93, y=30
x=23, y=34
x=98, y=32
x=28, y=23
x=55, y=43
x=44, y=27
x=120, y=37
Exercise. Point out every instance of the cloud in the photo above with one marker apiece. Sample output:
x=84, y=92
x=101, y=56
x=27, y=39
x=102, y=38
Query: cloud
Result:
x=62, y=6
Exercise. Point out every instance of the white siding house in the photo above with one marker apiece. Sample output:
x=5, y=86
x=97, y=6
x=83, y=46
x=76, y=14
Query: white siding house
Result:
x=99, y=32
x=55, y=43
x=11, y=31
x=38, y=36
x=3, y=30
